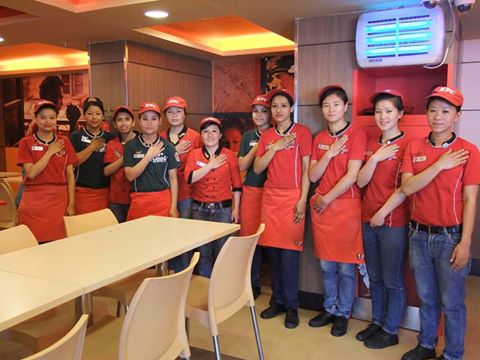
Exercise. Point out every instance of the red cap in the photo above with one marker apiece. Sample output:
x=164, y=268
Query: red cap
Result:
x=392, y=92
x=175, y=101
x=209, y=121
x=329, y=87
x=449, y=93
x=149, y=106
x=261, y=100
x=274, y=92
x=44, y=103
x=122, y=109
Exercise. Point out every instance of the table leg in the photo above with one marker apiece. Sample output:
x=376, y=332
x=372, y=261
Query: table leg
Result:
x=84, y=305
x=162, y=268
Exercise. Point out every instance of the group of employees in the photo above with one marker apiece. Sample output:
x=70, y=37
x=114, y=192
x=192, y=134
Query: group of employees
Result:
x=375, y=202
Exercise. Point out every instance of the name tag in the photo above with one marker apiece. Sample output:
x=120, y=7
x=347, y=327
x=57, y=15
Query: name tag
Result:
x=201, y=164
x=417, y=159
x=138, y=156
x=323, y=147
x=86, y=139
x=37, y=148
x=253, y=143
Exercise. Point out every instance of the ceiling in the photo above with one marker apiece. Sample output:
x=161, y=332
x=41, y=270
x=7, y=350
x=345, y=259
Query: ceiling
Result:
x=72, y=24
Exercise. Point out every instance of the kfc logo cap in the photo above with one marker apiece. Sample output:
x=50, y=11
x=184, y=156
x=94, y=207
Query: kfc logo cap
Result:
x=449, y=93
x=392, y=92
x=261, y=100
x=149, y=106
x=42, y=104
x=175, y=101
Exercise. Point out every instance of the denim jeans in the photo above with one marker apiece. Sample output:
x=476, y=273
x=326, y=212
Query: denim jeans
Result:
x=284, y=265
x=209, y=252
x=339, y=282
x=120, y=211
x=385, y=253
x=439, y=289
x=256, y=272
x=181, y=262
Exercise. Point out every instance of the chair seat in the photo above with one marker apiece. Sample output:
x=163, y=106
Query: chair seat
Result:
x=101, y=341
x=124, y=290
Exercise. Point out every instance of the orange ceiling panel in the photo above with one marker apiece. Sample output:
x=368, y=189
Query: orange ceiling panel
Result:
x=78, y=6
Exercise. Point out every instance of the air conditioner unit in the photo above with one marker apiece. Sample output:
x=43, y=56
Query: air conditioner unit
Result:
x=405, y=36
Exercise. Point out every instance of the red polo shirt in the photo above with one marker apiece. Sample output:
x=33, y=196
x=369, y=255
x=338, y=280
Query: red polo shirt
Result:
x=119, y=185
x=285, y=169
x=385, y=180
x=219, y=183
x=31, y=150
x=338, y=166
x=440, y=203
x=187, y=134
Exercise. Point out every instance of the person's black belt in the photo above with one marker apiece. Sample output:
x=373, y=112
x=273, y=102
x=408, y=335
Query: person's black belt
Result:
x=436, y=229
x=214, y=205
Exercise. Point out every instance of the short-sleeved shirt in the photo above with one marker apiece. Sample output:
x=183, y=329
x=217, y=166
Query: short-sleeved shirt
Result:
x=385, y=180
x=119, y=185
x=219, y=183
x=90, y=173
x=31, y=149
x=184, y=189
x=285, y=169
x=440, y=203
x=249, y=140
x=155, y=176
x=337, y=168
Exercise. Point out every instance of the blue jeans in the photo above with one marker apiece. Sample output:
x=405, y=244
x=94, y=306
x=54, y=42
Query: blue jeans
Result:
x=181, y=262
x=385, y=253
x=439, y=289
x=210, y=251
x=284, y=265
x=339, y=283
x=256, y=273
x=120, y=211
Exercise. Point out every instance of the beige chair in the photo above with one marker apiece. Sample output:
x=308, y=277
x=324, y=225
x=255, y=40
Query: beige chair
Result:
x=69, y=347
x=8, y=212
x=154, y=326
x=211, y=301
x=122, y=290
x=46, y=328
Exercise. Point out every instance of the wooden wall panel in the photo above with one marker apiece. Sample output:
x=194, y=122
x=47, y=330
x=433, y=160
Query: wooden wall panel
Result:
x=107, y=82
x=331, y=29
x=107, y=52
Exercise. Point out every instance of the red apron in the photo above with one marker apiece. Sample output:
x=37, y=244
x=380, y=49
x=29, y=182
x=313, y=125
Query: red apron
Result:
x=88, y=200
x=337, y=232
x=149, y=203
x=42, y=209
x=250, y=210
x=278, y=207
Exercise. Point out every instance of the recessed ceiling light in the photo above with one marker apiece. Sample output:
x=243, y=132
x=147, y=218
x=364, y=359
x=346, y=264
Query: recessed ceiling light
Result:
x=2, y=39
x=156, y=14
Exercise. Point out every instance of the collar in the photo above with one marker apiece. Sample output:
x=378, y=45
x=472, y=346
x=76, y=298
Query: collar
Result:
x=259, y=133
x=181, y=134
x=45, y=142
x=286, y=131
x=121, y=140
x=207, y=154
x=93, y=136
x=140, y=137
x=391, y=140
x=339, y=132
x=445, y=144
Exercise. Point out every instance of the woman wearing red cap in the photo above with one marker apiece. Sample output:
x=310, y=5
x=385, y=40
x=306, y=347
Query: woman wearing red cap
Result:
x=337, y=155
x=91, y=192
x=252, y=191
x=151, y=163
x=213, y=172
x=384, y=241
x=185, y=140
x=119, y=199
x=284, y=152
x=442, y=172
x=48, y=160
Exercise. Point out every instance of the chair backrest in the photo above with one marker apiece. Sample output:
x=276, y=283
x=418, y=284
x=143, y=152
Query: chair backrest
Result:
x=8, y=211
x=230, y=284
x=69, y=347
x=154, y=326
x=16, y=238
x=79, y=224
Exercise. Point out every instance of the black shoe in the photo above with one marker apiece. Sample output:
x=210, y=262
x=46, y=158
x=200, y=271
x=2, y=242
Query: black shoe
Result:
x=381, y=339
x=272, y=311
x=256, y=292
x=324, y=318
x=291, y=319
x=340, y=326
x=419, y=353
x=368, y=332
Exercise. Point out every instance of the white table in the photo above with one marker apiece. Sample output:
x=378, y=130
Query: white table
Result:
x=97, y=258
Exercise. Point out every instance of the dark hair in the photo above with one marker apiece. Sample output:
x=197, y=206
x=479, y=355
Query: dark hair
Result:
x=50, y=89
x=396, y=100
x=285, y=95
x=92, y=101
x=340, y=92
x=430, y=99
x=124, y=111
